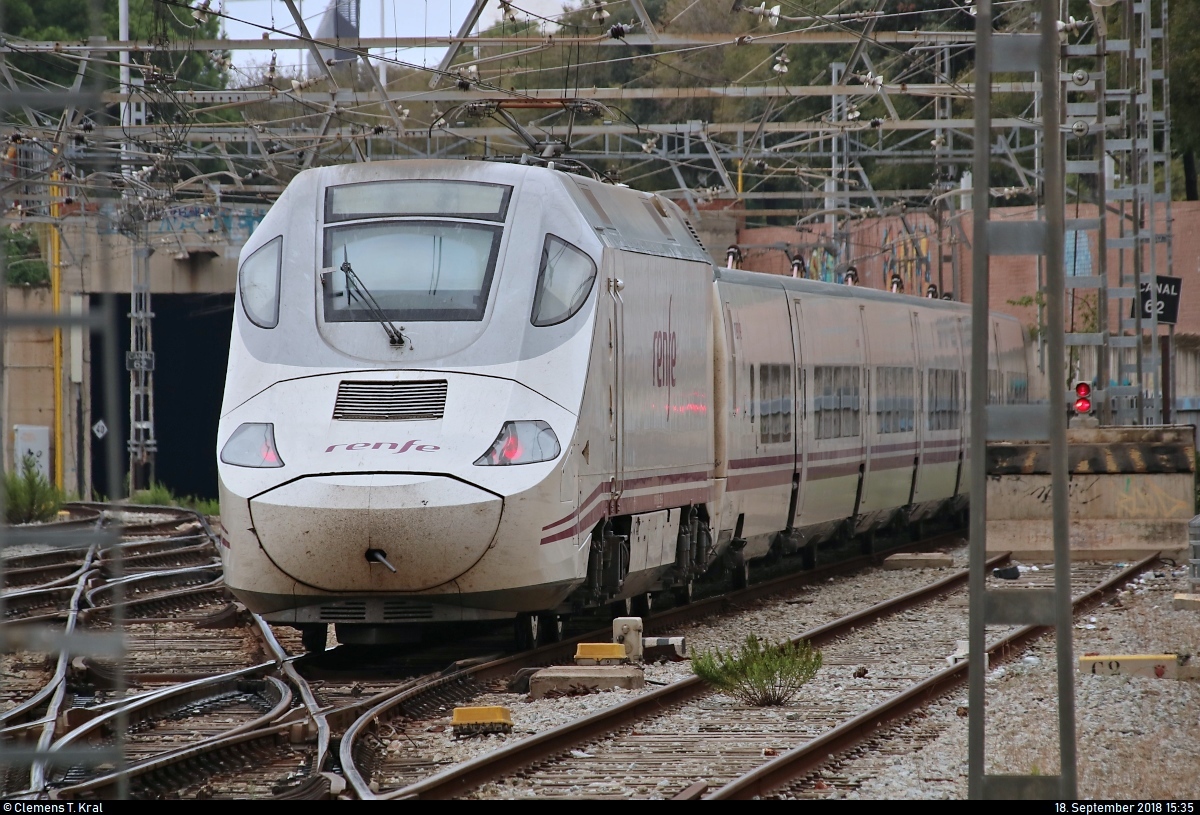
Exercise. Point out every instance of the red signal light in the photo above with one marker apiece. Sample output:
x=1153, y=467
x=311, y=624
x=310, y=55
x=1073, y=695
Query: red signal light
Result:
x=1083, y=397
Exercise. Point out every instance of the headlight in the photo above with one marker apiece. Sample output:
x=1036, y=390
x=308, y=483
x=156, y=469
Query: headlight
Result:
x=252, y=445
x=522, y=443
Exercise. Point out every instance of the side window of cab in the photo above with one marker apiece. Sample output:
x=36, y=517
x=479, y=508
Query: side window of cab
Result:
x=564, y=282
x=258, y=282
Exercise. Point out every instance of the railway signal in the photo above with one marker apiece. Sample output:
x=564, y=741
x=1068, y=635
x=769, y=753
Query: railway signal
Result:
x=1083, y=398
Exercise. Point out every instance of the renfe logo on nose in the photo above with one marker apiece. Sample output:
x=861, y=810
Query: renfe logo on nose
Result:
x=386, y=445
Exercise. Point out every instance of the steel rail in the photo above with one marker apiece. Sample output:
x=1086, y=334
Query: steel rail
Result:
x=470, y=774
x=14, y=715
x=67, y=579
x=176, y=697
x=37, y=773
x=157, y=580
x=107, y=784
x=563, y=651
x=811, y=755
x=268, y=726
x=315, y=712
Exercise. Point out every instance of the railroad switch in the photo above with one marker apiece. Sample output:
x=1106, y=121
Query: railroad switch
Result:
x=474, y=721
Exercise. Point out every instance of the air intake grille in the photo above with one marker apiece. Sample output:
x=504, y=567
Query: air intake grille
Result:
x=348, y=611
x=390, y=401
x=400, y=610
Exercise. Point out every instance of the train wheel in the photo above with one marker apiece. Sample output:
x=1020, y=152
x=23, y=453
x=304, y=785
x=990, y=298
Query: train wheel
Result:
x=643, y=605
x=525, y=631
x=683, y=594
x=313, y=637
x=549, y=628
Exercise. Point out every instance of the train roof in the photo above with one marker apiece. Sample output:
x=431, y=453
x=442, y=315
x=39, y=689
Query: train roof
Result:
x=772, y=281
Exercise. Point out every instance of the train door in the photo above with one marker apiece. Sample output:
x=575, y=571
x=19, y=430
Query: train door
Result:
x=799, y=395
x=964, y=365
x=918, y=405
x=615, y=368
x=866, y=426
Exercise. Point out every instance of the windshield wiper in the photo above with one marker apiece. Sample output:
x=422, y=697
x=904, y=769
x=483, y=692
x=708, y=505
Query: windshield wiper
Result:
x=355, y=288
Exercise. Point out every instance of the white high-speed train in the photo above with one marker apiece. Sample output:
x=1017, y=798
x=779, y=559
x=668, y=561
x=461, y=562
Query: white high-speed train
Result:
x=465, y=390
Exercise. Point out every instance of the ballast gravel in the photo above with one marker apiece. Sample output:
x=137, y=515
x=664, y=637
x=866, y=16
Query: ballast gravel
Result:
x=773, y=620
x=1136, y=736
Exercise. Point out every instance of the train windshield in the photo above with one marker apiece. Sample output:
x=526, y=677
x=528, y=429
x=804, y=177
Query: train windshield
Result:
x=416, y=270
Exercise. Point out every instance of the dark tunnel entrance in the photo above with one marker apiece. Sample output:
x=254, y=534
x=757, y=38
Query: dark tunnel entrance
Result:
x=191, y=351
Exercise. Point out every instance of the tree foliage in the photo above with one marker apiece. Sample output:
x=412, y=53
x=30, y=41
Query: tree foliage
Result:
x=23, y=262
x=76, y=20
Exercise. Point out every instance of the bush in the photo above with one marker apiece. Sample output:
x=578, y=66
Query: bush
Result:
x=23, y=261
x=160, y=494
x=28, y=497
x=758, y=674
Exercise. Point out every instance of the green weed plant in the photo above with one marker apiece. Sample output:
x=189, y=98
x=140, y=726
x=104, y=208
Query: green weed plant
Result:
x=159, y=494
x=28, y=496
x=758, y=673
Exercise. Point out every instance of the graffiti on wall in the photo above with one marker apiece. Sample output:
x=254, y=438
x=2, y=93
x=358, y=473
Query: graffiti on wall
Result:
x=822, y=265
x=200, y=223
x=907, y=256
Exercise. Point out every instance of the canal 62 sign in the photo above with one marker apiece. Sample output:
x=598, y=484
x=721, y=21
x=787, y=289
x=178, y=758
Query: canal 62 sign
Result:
x=1168, y=299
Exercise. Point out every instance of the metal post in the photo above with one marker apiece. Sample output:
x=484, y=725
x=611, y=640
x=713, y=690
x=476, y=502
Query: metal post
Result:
x=1054, y=195
x=1036, y=54
x=980, y=250
x=140, y=362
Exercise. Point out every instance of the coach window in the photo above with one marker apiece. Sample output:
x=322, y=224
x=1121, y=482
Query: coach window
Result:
x=836, y=401
x=995, y=387
x=1017, y=389
x=775, y=403
x=564, y=282
x=258, y=281
x=944, y=402
x=894, y=400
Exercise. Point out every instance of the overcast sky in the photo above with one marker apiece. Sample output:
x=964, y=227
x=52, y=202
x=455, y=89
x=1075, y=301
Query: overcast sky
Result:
x=387, y=18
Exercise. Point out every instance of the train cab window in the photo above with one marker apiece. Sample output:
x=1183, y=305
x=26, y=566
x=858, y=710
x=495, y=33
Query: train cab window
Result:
x=415, y=270
x=564, y=282
x=945, y=404
x=836, y=401
x=774, y=403
x=895, y=401
x=258, y=282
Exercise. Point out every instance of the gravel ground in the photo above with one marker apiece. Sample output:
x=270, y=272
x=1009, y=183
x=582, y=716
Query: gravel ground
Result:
x=1136, y=736
x=432, y=741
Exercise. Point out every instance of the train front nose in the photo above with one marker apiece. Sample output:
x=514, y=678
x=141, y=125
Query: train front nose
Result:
x=318, y=529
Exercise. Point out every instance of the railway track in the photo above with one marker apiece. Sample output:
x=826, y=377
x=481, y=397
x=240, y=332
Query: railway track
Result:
x=53, y=589
x=360, y=753
x=683, y=733
x=301, y=752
